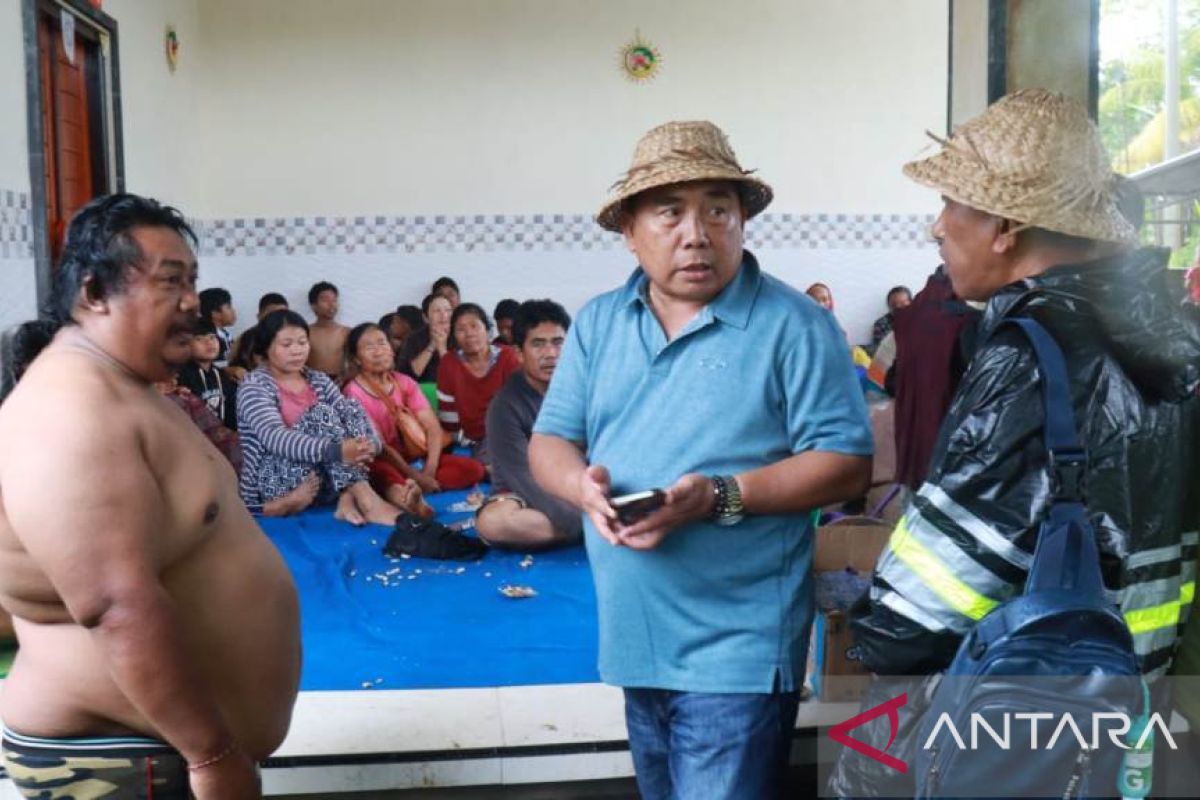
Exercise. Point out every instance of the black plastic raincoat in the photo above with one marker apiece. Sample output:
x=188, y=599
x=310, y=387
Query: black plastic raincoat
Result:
x=1133, y=355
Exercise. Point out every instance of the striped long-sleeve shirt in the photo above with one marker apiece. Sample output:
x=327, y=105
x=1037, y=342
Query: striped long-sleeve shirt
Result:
x=261, y=425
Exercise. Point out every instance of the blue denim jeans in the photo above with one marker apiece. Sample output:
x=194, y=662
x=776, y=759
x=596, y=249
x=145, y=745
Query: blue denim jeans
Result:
x=695, y=746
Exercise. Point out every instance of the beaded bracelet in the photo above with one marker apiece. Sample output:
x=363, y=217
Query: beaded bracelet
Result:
x=208, y=762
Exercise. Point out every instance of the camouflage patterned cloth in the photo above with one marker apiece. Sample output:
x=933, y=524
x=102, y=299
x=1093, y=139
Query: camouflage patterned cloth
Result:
x=112, y=768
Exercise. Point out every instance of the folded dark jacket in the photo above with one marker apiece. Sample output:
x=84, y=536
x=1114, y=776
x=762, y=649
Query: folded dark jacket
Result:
x=424, y=538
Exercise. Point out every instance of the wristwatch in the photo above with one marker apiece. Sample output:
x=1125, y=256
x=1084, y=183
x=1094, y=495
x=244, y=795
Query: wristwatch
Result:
x=727, y=501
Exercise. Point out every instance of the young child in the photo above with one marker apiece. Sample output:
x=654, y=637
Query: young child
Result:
x=216, y=306
x=207, y=381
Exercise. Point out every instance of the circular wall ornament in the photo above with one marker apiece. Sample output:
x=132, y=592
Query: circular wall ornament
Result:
x=640, y=60
x=171, y=41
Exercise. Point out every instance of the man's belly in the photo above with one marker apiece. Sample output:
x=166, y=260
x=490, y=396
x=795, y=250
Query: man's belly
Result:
x=241, y=635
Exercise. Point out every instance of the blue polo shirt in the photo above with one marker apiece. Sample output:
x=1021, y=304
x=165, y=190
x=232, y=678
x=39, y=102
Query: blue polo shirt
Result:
x=760, y=374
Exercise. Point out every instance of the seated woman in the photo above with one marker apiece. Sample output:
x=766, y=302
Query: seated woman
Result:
x=295, y=425
x=469, y=376
x=822, y=295
x=425, y=347
x=403, y=419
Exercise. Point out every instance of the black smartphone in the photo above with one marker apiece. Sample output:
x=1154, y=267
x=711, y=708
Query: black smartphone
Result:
x=632, y=507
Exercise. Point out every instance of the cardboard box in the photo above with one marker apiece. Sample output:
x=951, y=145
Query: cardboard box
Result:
x=849, y=542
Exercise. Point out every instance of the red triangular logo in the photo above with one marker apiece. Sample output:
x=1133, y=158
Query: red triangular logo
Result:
x=839, y=732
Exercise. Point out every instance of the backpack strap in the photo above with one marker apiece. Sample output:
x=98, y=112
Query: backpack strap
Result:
x=1066, y=556
x=1068, y=457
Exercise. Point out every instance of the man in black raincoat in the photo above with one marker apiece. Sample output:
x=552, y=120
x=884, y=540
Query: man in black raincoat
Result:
x=1030, y=225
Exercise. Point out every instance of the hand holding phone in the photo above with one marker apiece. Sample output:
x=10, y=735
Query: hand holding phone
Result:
x=632, y=507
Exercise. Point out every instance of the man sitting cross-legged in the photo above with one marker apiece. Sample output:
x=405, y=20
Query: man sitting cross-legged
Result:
x=520, y=514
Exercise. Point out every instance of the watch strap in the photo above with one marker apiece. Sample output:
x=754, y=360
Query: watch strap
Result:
x=727, y=502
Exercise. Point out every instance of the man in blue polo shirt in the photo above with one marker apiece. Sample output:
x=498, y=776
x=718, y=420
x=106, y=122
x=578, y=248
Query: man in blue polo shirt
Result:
x=734, y=394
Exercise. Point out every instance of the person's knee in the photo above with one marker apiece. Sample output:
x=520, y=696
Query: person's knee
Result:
x=492, y=523
x=509, y=524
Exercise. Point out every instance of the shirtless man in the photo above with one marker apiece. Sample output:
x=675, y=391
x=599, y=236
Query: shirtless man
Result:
x=326, y=337
x=159, y=627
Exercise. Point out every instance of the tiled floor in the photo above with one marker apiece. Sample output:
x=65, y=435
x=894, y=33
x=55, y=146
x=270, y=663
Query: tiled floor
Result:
x=801, y=783
x=621, y=789
x=521, y=737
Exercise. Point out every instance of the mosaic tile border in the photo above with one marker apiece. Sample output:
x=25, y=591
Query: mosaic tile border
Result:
x=481, y=233
x=533, y=232
x=16, y=225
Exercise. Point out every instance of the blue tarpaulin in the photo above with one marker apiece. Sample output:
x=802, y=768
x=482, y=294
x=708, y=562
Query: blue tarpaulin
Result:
x=372, y=621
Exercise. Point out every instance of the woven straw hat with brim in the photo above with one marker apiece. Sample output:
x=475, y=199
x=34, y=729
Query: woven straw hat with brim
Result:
x=678, y=152
x=1033, y=157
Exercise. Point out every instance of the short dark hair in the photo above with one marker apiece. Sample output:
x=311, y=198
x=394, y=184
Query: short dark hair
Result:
x=385, y=321
x=897, y=290
x=317, y=288
x=204, y=327
x=243, y=349
x=442, y=283
x=506, y=309
x=429, y=298
x=271, y=325
x=272, y=299
x=411, y=315
x=468, y=309
x=532, y=313
x=19, y=346
x=99, y=249
x=97, y=256
x=1044, y=237
x=212, y=299
x=356, y=333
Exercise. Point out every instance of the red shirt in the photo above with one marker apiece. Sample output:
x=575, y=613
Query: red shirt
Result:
x=463, y=399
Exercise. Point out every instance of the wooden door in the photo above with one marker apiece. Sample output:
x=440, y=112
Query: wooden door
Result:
x=72, y=141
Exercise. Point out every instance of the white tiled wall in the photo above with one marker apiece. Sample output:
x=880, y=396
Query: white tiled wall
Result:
x=18, y=293
x=16, y=233
x=379, y=262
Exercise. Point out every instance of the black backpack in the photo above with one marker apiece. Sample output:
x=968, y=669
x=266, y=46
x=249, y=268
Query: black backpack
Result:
x=1060, y=648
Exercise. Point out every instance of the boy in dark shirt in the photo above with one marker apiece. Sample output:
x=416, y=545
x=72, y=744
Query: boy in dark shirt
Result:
x=209, y=382
x=216, y=306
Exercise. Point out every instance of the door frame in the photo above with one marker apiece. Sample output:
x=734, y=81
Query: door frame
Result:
x=113, y=155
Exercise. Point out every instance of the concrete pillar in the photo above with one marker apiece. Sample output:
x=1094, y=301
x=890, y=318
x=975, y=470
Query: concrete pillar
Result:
x=1054, y=44
x=1000, y=46
x=968, y=60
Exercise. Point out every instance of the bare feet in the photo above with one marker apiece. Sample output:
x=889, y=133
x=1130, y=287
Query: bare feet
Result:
x=410, y=498
x=401, y=495
x=347, y=509
x=372, y=506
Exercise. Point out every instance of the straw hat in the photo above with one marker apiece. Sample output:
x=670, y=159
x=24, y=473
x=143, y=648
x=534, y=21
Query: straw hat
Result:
x=1033, y=157
x=677, y=152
